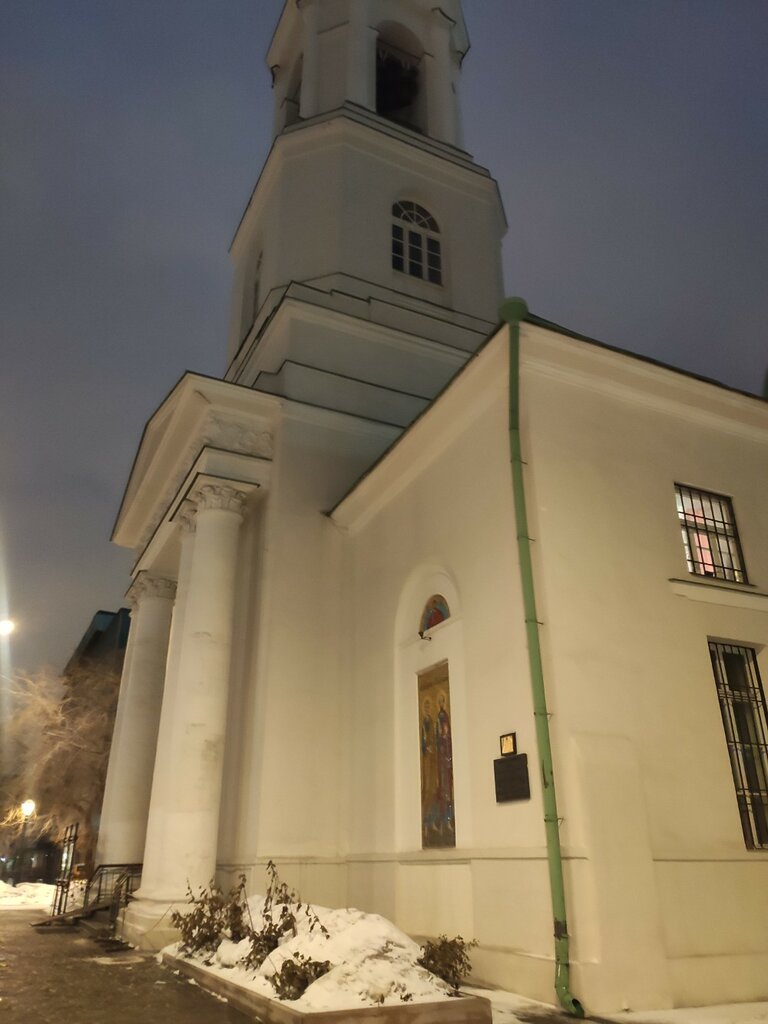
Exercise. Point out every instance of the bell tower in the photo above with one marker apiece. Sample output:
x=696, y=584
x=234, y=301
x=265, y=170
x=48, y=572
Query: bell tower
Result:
x=370, y=248
x=400, y=59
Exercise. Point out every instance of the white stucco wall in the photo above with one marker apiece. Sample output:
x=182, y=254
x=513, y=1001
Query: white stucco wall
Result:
x=285, y=772
x=636, y=715
x=666, y=905
x=441, y=521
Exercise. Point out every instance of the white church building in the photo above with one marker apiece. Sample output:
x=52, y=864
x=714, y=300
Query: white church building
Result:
x=456, y=615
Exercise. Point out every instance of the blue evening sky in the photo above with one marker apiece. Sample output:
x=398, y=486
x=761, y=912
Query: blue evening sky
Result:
x=629, y=139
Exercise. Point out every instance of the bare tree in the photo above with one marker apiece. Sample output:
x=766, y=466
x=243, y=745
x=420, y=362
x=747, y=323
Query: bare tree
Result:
x=60, y=731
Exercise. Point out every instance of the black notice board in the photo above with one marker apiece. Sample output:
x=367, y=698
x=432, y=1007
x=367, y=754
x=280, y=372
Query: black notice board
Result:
x=511, y=775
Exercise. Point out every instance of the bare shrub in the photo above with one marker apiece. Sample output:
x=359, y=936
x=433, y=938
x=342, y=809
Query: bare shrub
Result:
x=447, y=959
x=297, y=974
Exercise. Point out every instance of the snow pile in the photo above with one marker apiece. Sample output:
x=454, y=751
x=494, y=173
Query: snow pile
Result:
x=26, y=894
x=372, y=961
x=76, y=894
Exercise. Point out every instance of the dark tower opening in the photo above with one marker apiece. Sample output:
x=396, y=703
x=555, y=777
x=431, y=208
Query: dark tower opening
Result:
x=397, y=85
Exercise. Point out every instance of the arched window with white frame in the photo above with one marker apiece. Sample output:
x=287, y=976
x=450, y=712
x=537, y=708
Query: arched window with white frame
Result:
x=416, y=247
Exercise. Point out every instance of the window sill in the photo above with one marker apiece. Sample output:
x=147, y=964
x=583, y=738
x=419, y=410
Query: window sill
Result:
x=399, y=275
x=731, y=594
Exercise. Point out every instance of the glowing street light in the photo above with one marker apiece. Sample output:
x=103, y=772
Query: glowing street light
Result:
x=7, y=626
x=27, y=810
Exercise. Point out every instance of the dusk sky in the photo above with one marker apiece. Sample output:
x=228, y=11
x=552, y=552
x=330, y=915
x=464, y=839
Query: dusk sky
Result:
x=629, y=139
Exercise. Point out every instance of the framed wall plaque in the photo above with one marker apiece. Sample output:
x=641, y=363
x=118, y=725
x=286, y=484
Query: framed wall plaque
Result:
x=511, y=777
x=508, y=744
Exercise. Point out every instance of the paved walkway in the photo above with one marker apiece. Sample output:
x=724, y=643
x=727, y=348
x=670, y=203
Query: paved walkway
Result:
x=59, y=976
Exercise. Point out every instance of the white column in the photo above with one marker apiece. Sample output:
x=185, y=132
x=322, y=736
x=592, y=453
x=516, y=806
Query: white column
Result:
x=310, y=73
x=132, y=754
x=361, y=57
x=441, y=99
x=186, y=791
x=157, y=868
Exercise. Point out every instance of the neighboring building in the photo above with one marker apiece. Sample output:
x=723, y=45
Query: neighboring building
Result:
x=330, y=638
x=103, y=643
x=90, y=679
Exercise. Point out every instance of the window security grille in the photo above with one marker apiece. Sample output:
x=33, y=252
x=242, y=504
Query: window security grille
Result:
x=709, y=534
x=745, y=721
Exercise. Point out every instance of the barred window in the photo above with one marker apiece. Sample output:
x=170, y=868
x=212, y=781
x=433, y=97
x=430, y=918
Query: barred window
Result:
x=745, y=721
x=416, y=246
x=710, y=537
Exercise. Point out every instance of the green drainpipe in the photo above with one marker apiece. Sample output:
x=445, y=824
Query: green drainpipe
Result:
x=513, y=311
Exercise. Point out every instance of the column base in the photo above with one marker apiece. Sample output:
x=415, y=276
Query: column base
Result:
x=147, y=924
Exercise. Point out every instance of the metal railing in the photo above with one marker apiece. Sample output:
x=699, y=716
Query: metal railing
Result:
x=61, y=895
x=102, y=883
x=126, y=884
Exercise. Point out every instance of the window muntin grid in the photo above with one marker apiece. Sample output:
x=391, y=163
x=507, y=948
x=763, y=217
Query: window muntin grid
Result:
x=416, y=248
x=745, y=722
x=709, y=532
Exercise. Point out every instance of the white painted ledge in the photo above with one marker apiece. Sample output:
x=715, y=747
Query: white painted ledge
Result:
x=717, y=593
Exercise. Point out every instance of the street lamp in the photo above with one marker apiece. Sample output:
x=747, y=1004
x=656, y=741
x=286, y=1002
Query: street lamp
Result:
x=27, y=810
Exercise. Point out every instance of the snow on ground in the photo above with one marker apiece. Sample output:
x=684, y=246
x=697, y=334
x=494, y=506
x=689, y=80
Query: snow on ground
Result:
x=38, y=894
x=26, y=895
x=735, y=1013
x=506, y=1005
x=372, y=961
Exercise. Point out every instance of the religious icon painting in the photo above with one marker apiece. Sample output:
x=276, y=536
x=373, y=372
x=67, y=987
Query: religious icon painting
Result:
x=436, y=610
x=438, y=825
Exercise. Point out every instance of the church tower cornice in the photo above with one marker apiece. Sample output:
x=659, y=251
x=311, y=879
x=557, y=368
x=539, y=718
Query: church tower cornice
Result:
x=368, y=211
x=350, y=112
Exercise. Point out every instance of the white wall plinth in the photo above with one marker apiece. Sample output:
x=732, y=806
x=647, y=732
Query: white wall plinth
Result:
x=129, y=779
x=183, y=823
x=147, y=924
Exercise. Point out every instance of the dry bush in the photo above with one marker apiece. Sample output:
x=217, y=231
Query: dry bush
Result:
x=447, y=959
x=212, y=917
x=297, y=974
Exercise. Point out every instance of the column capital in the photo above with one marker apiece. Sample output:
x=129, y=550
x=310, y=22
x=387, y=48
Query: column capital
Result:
x=219, y=496
x=146, y=585
x=186, y=516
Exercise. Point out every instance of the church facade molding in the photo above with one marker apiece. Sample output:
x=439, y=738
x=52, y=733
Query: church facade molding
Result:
x=147, y=585
x=204, y=425
x=628, y=378
x=400, y=326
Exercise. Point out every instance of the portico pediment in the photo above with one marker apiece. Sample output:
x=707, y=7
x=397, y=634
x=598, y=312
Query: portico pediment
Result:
x=205, y=428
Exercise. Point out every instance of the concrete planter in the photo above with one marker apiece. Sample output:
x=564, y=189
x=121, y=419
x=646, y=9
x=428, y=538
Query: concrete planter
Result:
x=462, y=1010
